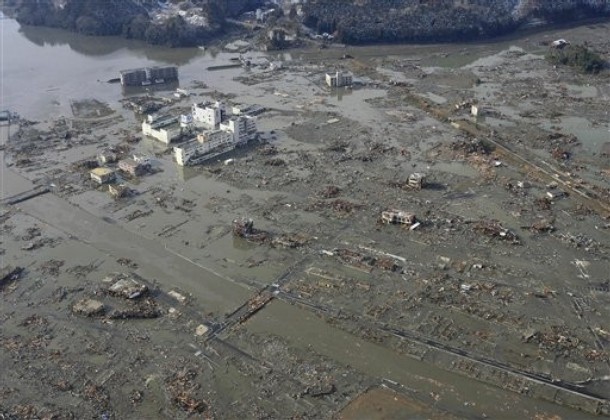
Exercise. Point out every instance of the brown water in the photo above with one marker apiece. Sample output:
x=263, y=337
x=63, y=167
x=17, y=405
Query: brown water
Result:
x=44, y=68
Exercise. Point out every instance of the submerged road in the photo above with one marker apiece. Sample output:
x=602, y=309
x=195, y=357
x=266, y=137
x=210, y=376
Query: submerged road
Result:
x=299, y=326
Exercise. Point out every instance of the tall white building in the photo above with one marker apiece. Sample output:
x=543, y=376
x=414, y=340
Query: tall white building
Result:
x=234, y=132
x=208, y=114
x=209, y=144
x=339, y=79
x=243, y=128
x=165, y=129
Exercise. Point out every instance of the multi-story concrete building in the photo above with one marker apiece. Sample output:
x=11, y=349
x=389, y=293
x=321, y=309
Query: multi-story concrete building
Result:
x=165, y=129
x=208, y=114
x=134, y=77
x=148, y=75
x=243, y=128
x=132, y=167
x=207, y=146
x=162, y=74
x=339, y=79
x=234, y=132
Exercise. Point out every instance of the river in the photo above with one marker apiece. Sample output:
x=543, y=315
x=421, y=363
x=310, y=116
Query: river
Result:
x=43, y=69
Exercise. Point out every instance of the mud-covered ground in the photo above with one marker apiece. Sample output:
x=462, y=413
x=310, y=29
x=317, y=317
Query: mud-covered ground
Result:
x=495, y=303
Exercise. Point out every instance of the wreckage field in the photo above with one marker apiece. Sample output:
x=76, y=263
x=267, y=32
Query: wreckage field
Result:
x=430, y=241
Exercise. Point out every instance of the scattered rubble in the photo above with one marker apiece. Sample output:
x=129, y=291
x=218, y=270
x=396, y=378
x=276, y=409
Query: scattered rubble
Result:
x=136, y=309
x=338, y=206
x=244, y=228
x=127, y=287
x=89, y=308
x=494, y=229
x=330, y=191
x=183, y=390
x=126, y=262
x=542, y=226
x=9, y=274
x=294, y=240
x=51, y=267
x=364, y=262
x=178, y=296
x=397, y=217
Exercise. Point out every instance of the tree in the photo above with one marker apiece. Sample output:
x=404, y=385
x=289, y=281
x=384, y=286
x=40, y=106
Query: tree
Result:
x=88, y=25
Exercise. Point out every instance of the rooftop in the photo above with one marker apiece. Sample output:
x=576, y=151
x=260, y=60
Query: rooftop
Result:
x=101, y=171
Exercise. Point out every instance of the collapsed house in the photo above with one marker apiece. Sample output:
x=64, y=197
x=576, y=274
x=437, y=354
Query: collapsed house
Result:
x=397, y=217
x=102, y=175
x=119, y=191
x=416, y=181
x=244, y=228
x=133, y=167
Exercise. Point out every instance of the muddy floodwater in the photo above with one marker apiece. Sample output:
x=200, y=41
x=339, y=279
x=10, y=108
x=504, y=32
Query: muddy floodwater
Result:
x=491, y=302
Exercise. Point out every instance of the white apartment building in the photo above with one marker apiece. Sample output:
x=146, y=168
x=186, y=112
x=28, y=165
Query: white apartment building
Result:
x=243, y=128
x=208, y=114
x=232, y=133
x=165, y=129
x=339, y=79
x=208, y=145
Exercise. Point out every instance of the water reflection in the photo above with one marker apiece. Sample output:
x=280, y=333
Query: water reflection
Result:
x=98, y=46
x=339, y=93
x=242, y=244
x=187, y=172
x=139, y=90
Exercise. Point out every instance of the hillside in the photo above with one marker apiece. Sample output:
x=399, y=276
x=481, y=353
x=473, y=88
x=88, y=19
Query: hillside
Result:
x=173, y=23
x=191, y=22
x=366, y=21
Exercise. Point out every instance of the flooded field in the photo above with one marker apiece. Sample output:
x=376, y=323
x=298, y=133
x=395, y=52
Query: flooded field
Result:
x=491, y=303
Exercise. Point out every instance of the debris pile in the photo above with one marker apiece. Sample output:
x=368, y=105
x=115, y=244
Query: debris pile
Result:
x=140, y=308
x=494, y=229
x=294, y=240
x=397, y=217
x=127, y=263
x=88, y=308
x=416, y=181
x=556, y=338
x=9, y=274
x=51, y=267
x=244, y=228
x=39, y=243
x=330, y=191
x=268, y=151
x=126, y=286
x=338, y=206
x=135, y=301
x=118, y=191
x=275, y=162
x=182, y=389
x=467, y=147
x=542, y=226
x=365, y=262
